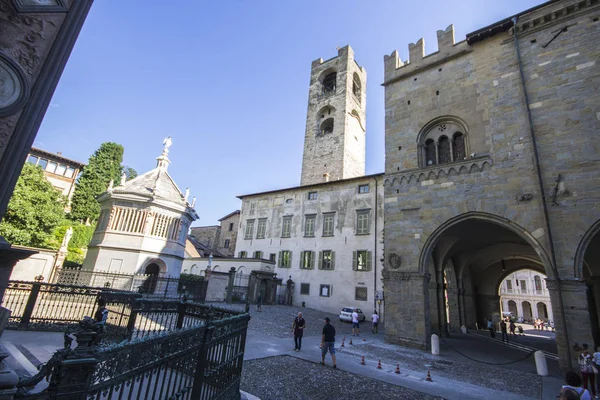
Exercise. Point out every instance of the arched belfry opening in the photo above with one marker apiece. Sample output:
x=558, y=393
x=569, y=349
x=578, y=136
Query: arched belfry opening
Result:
x=329, y=83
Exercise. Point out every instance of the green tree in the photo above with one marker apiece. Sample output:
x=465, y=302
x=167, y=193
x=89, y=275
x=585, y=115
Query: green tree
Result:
x=130, y=172
x=34, y=210
x=82, y=235
x=103, y=165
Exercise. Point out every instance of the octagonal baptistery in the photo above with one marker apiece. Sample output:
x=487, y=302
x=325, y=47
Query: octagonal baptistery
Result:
x=143, y=225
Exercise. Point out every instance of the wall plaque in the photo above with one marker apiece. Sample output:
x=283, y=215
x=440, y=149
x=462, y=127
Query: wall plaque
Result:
x=394, y=261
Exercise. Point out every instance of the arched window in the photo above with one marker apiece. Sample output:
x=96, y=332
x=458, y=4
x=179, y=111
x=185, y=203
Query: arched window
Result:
x=329, y=83
x=326, y=126
x=226, y=244
x=458, y=147
x=430, y=157
x=356, y=86
x=444, y=150
x=442, y=141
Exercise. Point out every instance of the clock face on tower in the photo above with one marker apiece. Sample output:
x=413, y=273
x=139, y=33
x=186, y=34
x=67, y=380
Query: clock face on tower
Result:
x=12, y=86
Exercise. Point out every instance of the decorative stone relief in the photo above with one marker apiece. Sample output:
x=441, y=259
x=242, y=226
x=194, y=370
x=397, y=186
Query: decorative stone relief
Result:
x=13, y=87
x=394, y=261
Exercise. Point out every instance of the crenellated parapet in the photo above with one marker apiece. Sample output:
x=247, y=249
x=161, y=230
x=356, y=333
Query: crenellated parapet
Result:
x=395, y=69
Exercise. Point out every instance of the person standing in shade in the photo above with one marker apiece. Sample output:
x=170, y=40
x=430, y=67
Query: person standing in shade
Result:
x=503, y=330
x=596, y=361
x=490, y=326
x=328, y=342
x=587, y=370
x=298, y=329
x=259, y=303
x=375, y=319
x=355, y=325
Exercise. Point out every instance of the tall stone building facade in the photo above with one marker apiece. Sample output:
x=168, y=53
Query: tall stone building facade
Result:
x=492, y=165
x=334, y=142
x=220, y=239
x=326, y=234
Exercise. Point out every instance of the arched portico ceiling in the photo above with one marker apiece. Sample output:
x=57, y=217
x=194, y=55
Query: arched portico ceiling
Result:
x=480, y=237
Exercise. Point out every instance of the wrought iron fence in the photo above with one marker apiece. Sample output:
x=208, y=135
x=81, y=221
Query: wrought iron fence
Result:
x=49, y=306
x=197, y=353
x=149, y=285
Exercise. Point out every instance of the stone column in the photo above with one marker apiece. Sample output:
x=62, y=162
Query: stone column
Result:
x=230, y=284
x=454, y=310
x=289, y=294
x=576, y=312
x=434, y=310
x=407, y=308
x=441, y=303
x=596, y=287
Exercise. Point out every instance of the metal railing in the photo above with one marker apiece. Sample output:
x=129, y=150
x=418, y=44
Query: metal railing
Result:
x=167, y=349
x=149, y=285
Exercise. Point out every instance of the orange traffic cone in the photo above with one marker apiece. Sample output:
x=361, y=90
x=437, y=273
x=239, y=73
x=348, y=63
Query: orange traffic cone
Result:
x=344, y=338
x=350, y=341
x=362, y=361
x=379, y=364
x=428, y=379
x=397, y=368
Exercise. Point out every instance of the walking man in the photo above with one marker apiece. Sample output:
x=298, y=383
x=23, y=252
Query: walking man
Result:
x=355, y=323
x=259, y=303
x=490, y=326
x=375, y=319
x=503, y=330
x=298, y=329
x=328, y=342
x=512, y=328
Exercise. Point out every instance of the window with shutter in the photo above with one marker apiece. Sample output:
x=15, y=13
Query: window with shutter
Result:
x=361, y=260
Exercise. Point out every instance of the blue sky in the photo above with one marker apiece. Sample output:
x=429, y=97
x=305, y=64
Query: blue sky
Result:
x=228, y=80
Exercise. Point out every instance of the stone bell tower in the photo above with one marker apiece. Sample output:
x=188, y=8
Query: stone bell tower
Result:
x=334, y=143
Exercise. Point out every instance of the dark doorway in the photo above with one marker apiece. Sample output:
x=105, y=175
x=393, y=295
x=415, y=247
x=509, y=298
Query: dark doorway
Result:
x=149, y=285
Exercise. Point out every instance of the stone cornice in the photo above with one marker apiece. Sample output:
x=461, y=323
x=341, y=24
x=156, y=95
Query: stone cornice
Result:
x=403, y=275
x=475, y=164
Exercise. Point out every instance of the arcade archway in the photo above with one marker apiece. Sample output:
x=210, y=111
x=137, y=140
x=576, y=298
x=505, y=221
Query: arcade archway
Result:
x=467, y=258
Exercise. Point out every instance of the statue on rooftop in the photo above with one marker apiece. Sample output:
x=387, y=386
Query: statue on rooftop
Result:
x=166, y=144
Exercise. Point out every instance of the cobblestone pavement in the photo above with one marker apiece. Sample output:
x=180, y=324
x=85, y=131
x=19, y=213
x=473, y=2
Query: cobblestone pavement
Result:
x=276, y=321
x=306, y=380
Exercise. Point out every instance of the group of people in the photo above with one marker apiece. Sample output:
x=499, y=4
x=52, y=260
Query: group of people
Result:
x=542, y=325
x=578, y=388
x=328, y=334
x=505, y=326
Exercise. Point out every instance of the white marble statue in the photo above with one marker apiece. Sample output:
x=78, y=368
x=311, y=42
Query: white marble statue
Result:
x=66, y=239
x=166, y=144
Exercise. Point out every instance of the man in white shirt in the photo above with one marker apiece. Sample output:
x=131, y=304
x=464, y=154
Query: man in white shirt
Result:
x=355, y=323
x=375, y=319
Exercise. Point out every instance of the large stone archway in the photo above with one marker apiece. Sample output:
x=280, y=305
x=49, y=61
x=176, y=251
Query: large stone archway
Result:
x=461, y=266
